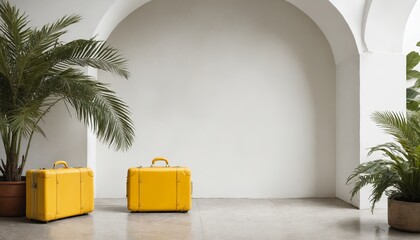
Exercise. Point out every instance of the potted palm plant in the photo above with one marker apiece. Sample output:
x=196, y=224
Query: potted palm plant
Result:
x=37, y=71
x=397, y=173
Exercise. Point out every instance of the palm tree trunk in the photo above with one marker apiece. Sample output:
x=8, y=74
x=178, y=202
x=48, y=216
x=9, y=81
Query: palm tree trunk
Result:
x=12, y=161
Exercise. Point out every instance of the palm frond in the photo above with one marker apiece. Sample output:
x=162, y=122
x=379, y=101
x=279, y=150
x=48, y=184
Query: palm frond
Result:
x=97, y=106
x=35, y=63
x=13, y=26
x=92, y=53
x=366, y=173
x=397, y=126
x=386, y=178
x=14, y=33
x=48, y=35
x=391, y=150
x=25, y=119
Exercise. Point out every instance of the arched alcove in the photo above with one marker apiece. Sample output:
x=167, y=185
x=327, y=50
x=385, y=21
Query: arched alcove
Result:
x=330, y=17
x=243, y=92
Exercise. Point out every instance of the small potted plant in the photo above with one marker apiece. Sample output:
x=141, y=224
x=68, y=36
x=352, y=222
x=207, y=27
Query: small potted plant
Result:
x=37, y=71
x=397, y=173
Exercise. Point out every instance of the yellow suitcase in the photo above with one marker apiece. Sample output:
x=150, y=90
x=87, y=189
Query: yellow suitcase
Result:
x=152, y=189
x=59, y=192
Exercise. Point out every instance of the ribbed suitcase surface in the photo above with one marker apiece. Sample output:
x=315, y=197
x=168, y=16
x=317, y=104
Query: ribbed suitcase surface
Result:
x=58, y=193
x=154, y=188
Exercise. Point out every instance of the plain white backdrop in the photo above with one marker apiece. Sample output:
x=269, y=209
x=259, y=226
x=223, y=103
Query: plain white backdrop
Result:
x=242, y=92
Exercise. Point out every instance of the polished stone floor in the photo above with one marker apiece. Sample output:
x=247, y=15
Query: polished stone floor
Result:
x=217, y=219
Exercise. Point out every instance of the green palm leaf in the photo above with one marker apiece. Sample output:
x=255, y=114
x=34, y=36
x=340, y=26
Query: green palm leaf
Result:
x=95, y=105
x=90, y=53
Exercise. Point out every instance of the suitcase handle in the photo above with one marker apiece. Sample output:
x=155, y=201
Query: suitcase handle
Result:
x=160, y=159
x=61, y=162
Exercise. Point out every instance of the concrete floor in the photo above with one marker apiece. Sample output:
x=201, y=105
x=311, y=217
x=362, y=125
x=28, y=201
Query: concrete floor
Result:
x=219, y=219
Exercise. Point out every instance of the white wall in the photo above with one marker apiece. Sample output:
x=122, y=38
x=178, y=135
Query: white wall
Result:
x=412, y=35
x=339, y=31
x=385, y=34
x=242, y=92
x=340, y=28
x=347, y=119
x=45, y=11
x=412, y=31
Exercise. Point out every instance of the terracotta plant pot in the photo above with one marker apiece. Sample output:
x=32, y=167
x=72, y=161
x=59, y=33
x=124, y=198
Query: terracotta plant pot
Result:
x=404, y=216
x=12, y=199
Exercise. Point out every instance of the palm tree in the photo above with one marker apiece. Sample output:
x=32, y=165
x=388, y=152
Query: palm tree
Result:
x=397, y=174
x=37, y=71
